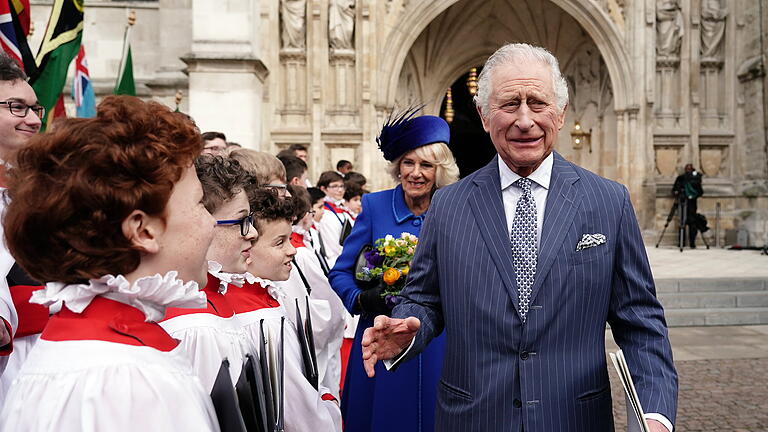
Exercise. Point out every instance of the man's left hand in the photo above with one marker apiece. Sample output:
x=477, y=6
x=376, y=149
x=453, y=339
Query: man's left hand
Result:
x=656, y=426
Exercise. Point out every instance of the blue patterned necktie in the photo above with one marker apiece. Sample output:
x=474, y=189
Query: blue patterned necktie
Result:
x=523, y=240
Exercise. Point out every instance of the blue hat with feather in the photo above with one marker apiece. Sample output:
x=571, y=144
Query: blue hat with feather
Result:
x=404, y=132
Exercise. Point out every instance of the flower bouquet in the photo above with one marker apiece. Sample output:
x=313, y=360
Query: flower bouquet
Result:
x=389, y=262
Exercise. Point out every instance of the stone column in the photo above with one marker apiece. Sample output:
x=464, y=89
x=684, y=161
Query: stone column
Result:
x=226, y=73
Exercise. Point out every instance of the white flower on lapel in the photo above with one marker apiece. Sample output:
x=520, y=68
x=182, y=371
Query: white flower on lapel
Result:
x=590, y=240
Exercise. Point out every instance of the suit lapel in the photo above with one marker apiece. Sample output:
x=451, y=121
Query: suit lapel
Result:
x=563, y=200
x=488, y=208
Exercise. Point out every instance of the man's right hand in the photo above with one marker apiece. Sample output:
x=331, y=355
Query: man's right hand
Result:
x=386, y=339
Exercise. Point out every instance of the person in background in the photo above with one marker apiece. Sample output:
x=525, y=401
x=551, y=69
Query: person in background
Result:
x=20, y=321
x=267, y=170
x=309, y=281
x=355, y=178
x=353, y=194
x=119, y=236
x=343, y=167
x=306, y=409
x=421, y=163
x=215, y=143
x=300, y=151
x=232, y=146
x=687, y=189
x=211, y=335
x=335, y=216
x=295, y=170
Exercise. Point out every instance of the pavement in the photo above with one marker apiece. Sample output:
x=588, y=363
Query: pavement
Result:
x=723, y=370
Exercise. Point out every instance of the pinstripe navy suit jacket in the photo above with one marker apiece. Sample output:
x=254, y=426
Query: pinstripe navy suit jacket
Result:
x=550, y=373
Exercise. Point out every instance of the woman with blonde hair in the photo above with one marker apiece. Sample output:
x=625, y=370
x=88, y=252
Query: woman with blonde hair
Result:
x=420, y=161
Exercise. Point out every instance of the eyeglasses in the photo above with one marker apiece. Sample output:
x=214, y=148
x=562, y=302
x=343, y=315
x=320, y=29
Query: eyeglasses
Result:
x=336, y=186
x=281, y=189
x=20, y=109
x=245, y=223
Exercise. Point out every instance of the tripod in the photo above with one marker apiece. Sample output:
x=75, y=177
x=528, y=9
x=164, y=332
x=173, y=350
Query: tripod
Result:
x=681, y=202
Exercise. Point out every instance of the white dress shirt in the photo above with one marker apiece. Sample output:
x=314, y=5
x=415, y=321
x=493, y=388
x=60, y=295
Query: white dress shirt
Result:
x=511, y=193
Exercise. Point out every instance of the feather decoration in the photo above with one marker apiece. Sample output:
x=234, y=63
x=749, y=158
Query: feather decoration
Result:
x=394, y=124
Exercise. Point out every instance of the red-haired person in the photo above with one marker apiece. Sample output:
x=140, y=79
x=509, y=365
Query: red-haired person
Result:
x=210, y=335
x=308, y=281
x=306, y=409
x=119, y=235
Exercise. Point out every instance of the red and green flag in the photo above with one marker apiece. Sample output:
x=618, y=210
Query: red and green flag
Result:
x=59, y=46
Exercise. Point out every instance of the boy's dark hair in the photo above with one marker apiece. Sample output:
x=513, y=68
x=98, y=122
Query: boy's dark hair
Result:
x=329, y=177
x=297, y=147
x=10, y=69
x=301, y=204
x=209, y=136
x=315, y=194
x=356, y=178
x=294, y=167
x=352, y=191
x=221, y=178
x=342, y=163
x=268, y=207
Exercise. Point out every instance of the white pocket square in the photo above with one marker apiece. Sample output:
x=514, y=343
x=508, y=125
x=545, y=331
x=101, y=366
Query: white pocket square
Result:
x=590, y=240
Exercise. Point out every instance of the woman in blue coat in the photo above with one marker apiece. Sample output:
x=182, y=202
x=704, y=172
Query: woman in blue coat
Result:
x=403, y=400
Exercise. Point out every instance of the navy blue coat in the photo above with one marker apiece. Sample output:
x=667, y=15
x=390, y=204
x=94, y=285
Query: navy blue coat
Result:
x=403, y=400
x=550, y=373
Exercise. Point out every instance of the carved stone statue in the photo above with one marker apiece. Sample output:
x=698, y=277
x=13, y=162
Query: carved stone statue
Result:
x=712, y=28
x=341, y=24
x=669, y=28
x=294, y=31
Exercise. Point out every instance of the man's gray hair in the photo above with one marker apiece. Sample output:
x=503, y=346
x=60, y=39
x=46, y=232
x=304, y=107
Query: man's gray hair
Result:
x=520, y=51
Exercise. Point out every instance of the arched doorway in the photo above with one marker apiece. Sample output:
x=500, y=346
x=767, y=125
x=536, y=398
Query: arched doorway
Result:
x=467, y=32
x=470, y=144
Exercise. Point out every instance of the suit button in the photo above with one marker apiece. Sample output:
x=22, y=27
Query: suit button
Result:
x=524, y=355
x=516, y=403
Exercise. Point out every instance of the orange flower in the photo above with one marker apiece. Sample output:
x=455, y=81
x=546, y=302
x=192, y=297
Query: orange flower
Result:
x=391, y=275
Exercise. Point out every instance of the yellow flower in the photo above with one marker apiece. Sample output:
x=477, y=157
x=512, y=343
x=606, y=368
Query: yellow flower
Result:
x=405, y=270
x=391, y=275
x=389, y=250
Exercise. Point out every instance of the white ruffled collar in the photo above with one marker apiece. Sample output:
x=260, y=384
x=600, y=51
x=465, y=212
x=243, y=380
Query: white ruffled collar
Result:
x=273, y=290
x=150, y=294
x=236, y=279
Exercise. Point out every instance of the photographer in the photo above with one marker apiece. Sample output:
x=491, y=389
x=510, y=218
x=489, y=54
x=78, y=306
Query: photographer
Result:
x=687, y=189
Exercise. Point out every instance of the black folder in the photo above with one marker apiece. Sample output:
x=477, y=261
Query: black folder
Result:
x=225, y=401
x=307, y=344
x=266, y=382
x=254, y=375
x=245, y=397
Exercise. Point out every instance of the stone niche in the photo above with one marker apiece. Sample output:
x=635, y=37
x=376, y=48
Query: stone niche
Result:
x=713, y=155
x=668, y=153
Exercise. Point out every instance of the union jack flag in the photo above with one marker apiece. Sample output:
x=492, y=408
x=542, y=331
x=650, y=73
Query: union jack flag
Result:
x=82, y=88
x=8, y=39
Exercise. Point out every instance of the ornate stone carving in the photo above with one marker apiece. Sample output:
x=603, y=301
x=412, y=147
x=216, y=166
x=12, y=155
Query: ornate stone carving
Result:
x=341, y=24
x=669, y=28
x=293, y=22
x=712, y=29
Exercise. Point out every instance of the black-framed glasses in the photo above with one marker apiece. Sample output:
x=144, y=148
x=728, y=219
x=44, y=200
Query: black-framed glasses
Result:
x=20, y=109
x=245, y=223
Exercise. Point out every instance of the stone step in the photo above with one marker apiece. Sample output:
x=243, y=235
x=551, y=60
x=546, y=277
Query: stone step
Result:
x=717, y=316
x=711, y=285
x=698, y=300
